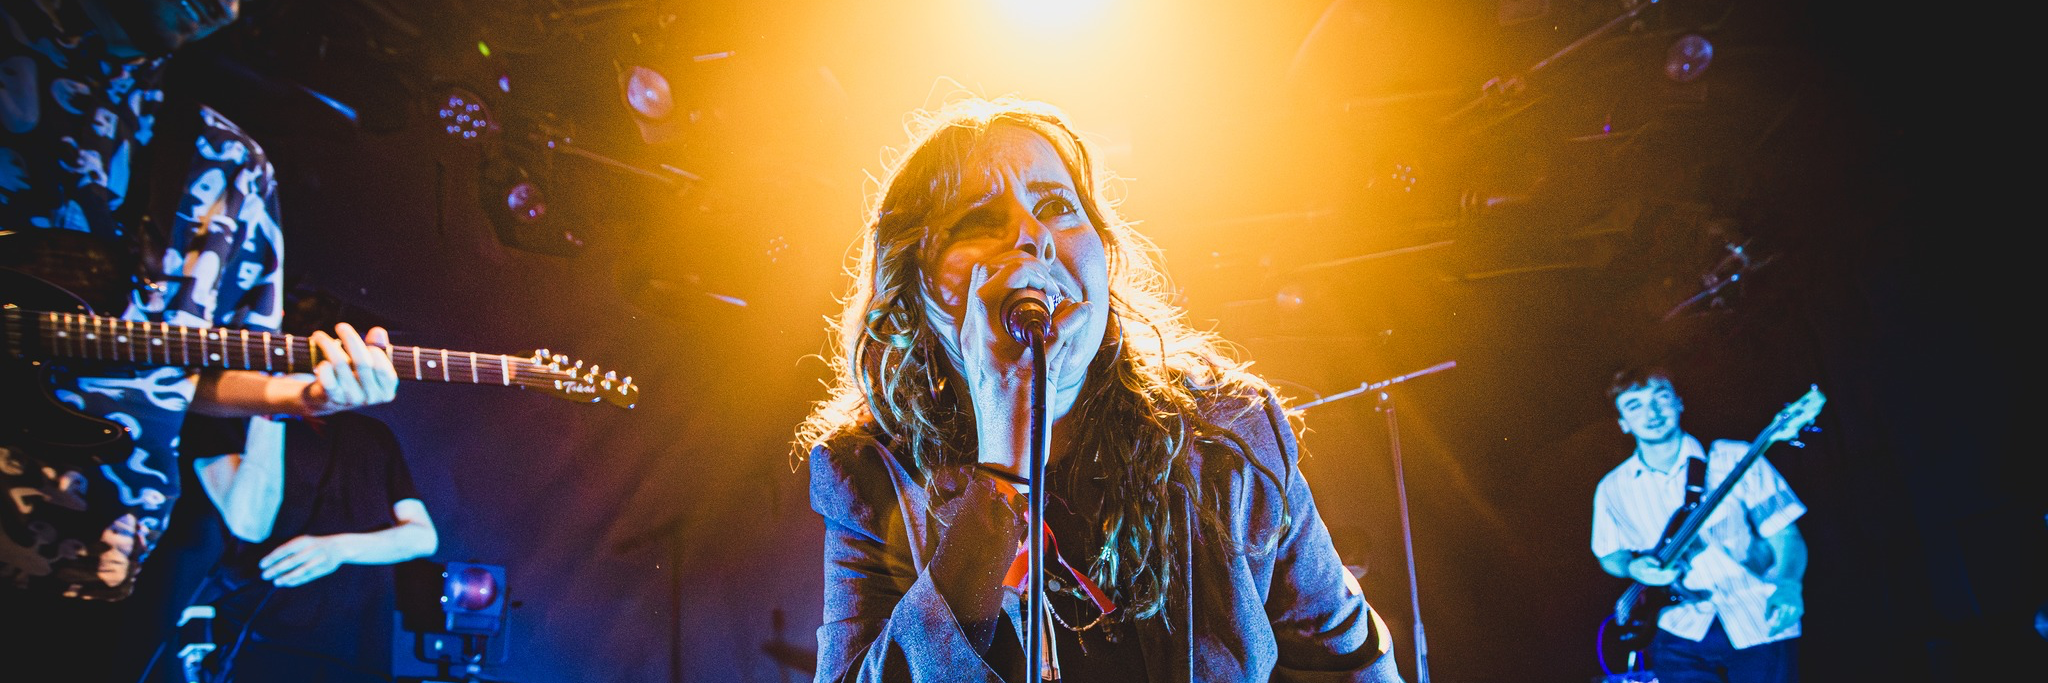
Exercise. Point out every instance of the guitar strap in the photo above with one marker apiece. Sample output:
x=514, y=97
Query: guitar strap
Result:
x=1695, y=488
x=1695, y=481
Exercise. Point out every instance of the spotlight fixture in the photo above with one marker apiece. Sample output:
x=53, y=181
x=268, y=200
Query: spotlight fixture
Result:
x=464, y=115
x=520, y=197
x=456, y=597
x=647, y=93
x=525, y=202
x=1688, y=58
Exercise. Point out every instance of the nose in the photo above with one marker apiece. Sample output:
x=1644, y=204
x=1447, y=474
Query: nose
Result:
x=1035, y=238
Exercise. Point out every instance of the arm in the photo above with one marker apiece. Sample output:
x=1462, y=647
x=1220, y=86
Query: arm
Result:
x=885, y=618
x=306, y=558
x=1788, y=602
x=354, y=371
x=1641, y=567
x=1612, y=543
x=248, y=487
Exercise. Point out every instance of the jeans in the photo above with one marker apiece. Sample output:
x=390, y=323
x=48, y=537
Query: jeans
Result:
x=1714, y=660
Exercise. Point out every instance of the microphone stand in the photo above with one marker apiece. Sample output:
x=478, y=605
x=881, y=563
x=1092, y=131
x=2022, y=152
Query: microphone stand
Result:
x=1043, y=663
x=1386, y=407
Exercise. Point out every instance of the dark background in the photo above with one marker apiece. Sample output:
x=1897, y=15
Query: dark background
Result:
x=1335, y=187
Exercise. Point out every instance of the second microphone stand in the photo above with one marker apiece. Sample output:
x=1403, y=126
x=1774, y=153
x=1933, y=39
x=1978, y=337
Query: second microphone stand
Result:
x=1386, y=407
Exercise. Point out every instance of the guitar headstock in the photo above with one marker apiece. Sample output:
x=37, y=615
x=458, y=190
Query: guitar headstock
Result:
x=568, y=379
x=1796, y=416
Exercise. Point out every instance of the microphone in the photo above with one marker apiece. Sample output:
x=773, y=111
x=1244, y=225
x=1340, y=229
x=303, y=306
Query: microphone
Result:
x=1026, y=314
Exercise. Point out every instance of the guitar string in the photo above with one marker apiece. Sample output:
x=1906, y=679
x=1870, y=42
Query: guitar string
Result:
x=80, y=330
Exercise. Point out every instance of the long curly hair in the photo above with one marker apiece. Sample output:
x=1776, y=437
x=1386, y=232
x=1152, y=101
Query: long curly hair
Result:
x=1156, y=388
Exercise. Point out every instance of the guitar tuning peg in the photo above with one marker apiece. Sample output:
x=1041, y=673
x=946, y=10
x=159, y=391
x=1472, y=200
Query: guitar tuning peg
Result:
x=1795, y=443
x=614, y=374
x=1810, y=428
x=629, y=380
x=579, y=364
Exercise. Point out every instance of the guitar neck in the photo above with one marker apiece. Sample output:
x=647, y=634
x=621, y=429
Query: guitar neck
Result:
x=85, y=337
x=1673, y=546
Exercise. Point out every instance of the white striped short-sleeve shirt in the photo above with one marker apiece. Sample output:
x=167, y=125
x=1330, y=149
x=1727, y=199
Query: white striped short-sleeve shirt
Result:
x=1634, y=503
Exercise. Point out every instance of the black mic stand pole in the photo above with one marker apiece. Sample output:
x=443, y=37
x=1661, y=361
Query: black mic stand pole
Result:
x=1386, y=407
x=1044, y=665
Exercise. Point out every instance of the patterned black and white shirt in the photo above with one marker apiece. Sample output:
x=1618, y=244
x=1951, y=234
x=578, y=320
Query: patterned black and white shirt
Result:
x=74, y=125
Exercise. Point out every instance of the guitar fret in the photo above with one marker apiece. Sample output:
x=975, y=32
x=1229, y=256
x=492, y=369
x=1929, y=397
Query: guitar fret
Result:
x=505, y=369
x=444, y=366
x=291, y=354
x=472, y=369
x=56, y=321
x=416, y=364
x=126, y=328
x=245, y=351
x=266, y=352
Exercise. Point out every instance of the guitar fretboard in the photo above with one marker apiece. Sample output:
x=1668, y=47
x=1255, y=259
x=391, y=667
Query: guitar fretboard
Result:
x=87, y=337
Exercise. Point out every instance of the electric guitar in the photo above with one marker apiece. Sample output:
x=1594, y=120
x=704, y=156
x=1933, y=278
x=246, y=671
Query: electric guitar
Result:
x=40, y=323
x=1635, y=614
x=45, y=443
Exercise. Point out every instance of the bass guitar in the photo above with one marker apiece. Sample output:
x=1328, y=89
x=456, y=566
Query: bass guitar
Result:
x=1634, y=619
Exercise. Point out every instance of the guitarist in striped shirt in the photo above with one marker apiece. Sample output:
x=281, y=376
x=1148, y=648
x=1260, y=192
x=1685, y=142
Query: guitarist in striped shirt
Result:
x=1740, y=577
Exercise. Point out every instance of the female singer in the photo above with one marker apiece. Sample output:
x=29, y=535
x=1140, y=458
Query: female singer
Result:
x=1183, y=542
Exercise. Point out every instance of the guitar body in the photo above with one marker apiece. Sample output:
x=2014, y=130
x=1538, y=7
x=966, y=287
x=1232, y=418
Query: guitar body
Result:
x=50, y=455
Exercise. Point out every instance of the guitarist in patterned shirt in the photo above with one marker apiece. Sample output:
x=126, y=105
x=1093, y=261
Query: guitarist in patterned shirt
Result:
x=156, y=210
x=1740, y=578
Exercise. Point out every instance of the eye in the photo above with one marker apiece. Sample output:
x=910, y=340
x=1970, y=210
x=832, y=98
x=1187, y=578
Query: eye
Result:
x=1054, y=207
x=977, y=223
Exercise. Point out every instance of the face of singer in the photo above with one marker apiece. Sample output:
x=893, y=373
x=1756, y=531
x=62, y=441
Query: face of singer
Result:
x=1020, y=204
x=1650, y=411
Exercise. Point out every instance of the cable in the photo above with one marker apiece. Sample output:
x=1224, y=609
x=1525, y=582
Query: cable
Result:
x=227, y=660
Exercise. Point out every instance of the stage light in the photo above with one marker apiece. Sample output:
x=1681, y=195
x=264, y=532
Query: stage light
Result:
x=464, y=115
x=457, y=597
x=521, y=198
x=525, y=202
x=1688, y=58
x=473, y=588
x=1047, y=13
x=647, y=93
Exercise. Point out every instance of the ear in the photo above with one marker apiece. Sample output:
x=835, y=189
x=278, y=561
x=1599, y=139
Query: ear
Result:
x=1623, y=424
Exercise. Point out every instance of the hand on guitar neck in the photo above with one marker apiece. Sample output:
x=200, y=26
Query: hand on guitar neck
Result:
x=354, y=371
